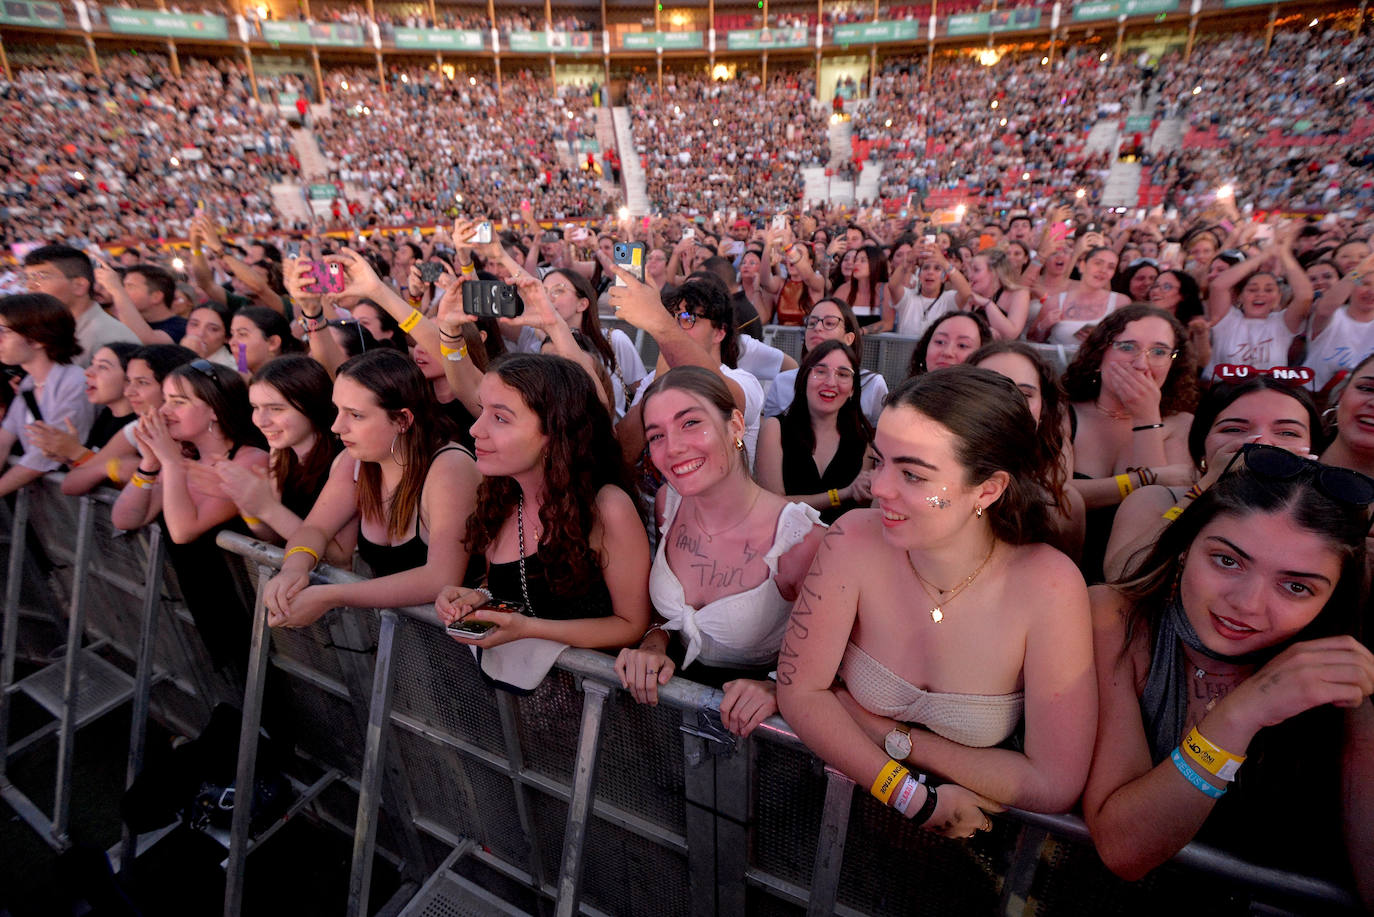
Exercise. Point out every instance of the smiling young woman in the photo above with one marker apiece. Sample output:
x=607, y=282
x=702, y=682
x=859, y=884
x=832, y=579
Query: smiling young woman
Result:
x=1238, y=639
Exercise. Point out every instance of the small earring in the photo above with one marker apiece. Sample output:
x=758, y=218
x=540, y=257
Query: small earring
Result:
x=977, y=511
x=1202, y=465
x=394, y=457
x=739, y=444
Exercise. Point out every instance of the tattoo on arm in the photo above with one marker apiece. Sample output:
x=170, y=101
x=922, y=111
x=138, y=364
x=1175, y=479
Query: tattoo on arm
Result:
x=798, y=626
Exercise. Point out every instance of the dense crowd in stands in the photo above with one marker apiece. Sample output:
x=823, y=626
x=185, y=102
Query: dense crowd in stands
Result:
x=1101, y=548
x=461, y=139
x=706, y=148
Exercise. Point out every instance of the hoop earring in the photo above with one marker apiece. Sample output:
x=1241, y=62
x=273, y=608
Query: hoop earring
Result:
x=394, y=457
x=1329, y=416
x=977, y=511
x=739, y=444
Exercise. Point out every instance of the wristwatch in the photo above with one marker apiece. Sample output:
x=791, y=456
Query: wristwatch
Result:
x=897, y=744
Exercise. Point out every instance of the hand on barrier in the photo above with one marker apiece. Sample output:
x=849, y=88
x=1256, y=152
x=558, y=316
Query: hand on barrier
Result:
x=279, y=592
x=960, y=812
x=747, y=703
x=303, y=608
x=454, y=603
x=642, y=672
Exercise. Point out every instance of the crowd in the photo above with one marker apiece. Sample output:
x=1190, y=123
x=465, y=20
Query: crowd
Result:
x=465, y=143
x=705, y=148
x=130, y=154
x=1135, y=588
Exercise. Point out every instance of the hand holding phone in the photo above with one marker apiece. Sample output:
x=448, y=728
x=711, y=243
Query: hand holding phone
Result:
x=491, y=299
x=630, y=257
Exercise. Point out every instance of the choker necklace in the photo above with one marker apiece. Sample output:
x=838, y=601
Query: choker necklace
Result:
x=710, y=536
x=946, y=596
x=1114, y=415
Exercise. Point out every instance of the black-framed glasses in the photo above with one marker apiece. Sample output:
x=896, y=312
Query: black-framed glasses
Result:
x=829, y=322
x=1340, y=484
x=686, y=320
x=206, y=368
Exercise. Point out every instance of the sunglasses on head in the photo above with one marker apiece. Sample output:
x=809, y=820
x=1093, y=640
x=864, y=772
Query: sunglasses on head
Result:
x=207, y=369
x=1340, y=484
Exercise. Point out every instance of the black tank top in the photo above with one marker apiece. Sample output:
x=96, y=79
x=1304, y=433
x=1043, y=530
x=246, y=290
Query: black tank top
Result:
x=386, y=559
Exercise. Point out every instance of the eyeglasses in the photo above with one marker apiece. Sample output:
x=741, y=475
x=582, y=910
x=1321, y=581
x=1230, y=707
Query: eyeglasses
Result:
x=825, y=373
x=829, y=322
x=555, y=292
x=1340, y=484
x=1169, y=287
x=1156, y=354
x=687, y=320
x=206, y=368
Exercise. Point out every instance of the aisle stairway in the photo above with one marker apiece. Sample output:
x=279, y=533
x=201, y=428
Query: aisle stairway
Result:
x=869, y=187
x=841, y=142
x=315, y=165
x=605, y=135
x=1168, y=137
x=289, y=201
x=815, y=185
x=632, y=169
x=1103, y=136
x=1122, y=188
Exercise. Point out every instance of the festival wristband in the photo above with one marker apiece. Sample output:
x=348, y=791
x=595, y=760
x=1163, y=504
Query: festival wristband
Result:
x=453, y=354
x=1173, y=513
x=141, y=482
x=302, y=549
x=251, y=520
x=904, y=793
x=1193, y=492
x=411, y=320
x=1194, y=777
x=1123, y=484
x=927, y=810
x=1147, y=426
x=889, y=778
x=1213, y=759
x=85, y=456
x=834, y=495
x=468, y=268
x=112, y=471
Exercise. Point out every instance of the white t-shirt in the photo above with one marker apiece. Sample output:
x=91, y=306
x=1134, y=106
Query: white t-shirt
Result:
x=1342, y=344
x=761, y=360
x=1259, y=342
x=753, y=403
x=872, y=394
x=915, y=312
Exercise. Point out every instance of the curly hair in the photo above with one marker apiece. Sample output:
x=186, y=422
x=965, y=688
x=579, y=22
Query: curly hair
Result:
x=1083, y=378
x=917, y=366
x=582, y=457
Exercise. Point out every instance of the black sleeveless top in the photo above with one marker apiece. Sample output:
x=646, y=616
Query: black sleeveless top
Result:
x=386, y=559
x=593, y=600
x=799, y=474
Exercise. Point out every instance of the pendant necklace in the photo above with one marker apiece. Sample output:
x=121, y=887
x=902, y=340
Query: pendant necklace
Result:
x=937, y=614
x=710, y=536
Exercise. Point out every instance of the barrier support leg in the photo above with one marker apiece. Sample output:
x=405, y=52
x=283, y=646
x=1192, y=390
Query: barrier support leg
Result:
x=1020, y=876
x=374, y=764
x=76, y=627
x=594, y=694
x=508, y=708
x=248, y=753
x=733, y=824
x=699, y=788
x=10, y=641
x=825, y=877
x=143, y=675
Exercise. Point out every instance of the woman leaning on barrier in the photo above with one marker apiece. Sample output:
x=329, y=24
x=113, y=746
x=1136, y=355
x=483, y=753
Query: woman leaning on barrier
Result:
x=401, y=480
x=292, y=408
x=941, y=609
x=553, y=517
x=118, y=458
x=1234, y=689
x=731, y=554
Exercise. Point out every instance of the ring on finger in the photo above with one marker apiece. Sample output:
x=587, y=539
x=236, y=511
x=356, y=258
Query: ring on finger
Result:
x=651, y=671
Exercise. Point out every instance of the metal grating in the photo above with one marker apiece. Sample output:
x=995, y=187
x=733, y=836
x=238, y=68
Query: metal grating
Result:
x=100, y=687
x=789, y=796
x=437, y=683
x=447, y=895
x=787, y=338
x=894, y=357
x=549, y=720
x=641, y=768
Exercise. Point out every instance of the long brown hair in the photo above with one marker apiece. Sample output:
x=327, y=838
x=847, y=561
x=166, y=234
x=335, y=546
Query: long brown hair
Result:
x=397, y=384
x=303, y=384
x=582, y=456
x=1083, y=378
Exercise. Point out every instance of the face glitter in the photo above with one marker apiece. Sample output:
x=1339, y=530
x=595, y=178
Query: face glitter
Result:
x=938, y=502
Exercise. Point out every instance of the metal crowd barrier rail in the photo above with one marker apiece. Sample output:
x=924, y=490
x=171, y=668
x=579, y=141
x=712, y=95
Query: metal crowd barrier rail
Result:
x=574, y=799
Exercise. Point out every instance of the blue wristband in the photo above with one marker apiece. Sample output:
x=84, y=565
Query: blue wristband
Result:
x=1194, y=778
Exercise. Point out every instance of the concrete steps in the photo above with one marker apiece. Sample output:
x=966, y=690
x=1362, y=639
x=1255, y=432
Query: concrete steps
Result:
x=288, y=199
x=631, y=167
x=1122, y=187
x=815, y=185
x=1168, y=136
x=1104, y=136
x=869, y=186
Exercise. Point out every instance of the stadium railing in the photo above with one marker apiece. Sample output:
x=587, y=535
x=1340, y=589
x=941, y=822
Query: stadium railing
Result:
x=574, y=798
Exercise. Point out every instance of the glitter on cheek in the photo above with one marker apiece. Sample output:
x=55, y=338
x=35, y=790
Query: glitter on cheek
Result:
x=938, y=502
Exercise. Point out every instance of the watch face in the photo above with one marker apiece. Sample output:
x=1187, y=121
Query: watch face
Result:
x=897, y=744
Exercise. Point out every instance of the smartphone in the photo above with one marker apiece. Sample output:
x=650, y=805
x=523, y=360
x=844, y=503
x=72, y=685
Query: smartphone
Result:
x=779, y=221
x=549, y=237
x=431, y=271
x=929, y=238
x=688, y=232
x=630, y=256
x=293, y=249
x=491, y=299
x=329, y=277
x=483, y=234
x=466, y=628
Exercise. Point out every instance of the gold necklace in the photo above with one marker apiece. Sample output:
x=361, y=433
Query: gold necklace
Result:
x=710, y=536
x=937, y=613
x=1114, y=415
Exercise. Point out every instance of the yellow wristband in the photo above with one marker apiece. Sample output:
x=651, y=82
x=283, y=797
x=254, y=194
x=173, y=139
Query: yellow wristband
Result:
x=889, y=778
x=251, y=520
x=1123, y=484
x=141, y=482
x=834, y=495
x=411, y=321
x=448, y=352
x=302, y=549
x=468, y=269
x=1173, y=513
x=1213, y=760
x=112, y=471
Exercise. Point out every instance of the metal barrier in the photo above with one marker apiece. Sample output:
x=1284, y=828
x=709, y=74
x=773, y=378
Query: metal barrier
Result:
x=577, y=800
